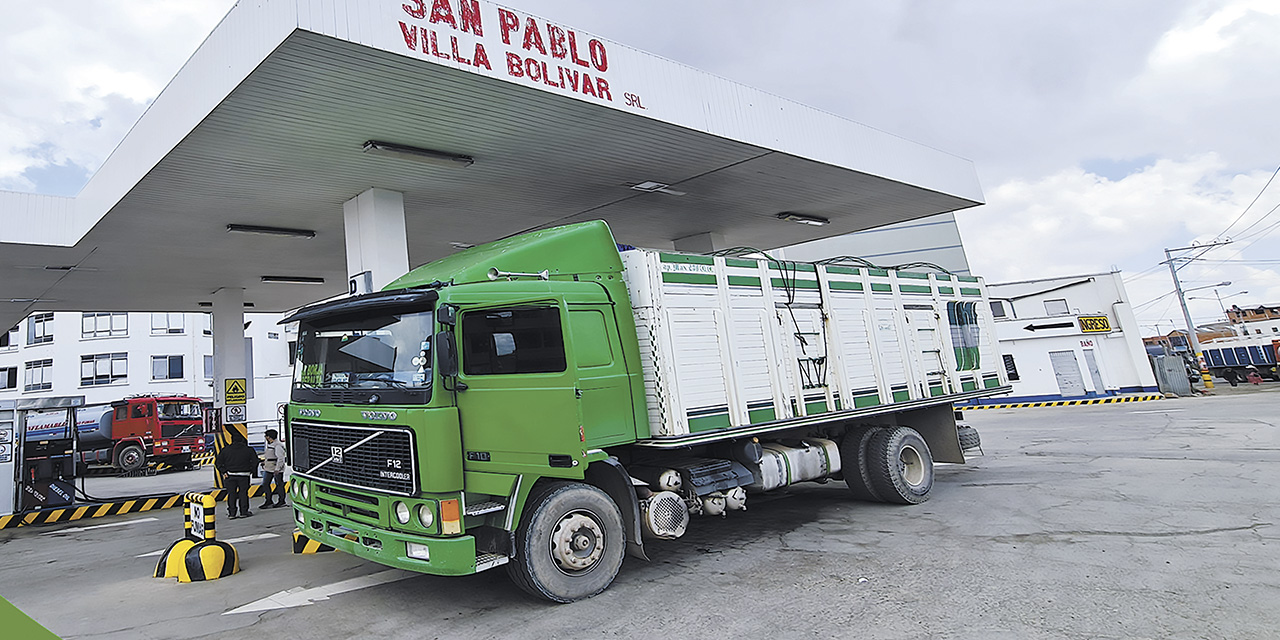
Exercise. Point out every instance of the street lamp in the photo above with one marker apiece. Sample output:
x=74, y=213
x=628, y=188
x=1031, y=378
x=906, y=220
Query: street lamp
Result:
x=1219, y=298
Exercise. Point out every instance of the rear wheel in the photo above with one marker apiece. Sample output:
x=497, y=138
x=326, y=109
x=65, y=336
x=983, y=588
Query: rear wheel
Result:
x=901, y=465
x=853, y=459
x=131, y=458
x=570, y=542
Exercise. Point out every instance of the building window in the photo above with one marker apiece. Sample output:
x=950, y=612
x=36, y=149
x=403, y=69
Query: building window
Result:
x=207, y=324
x=208, y=367
x=163, y=323
x=40, y=328
x=273, y=336
x=293, y=352
x=9, y=339
x=8, y=378
x=104, y=325
x=38, y=375
x=166, y=367
x=512, y=341
x=997, y=309
x=1010, y=368
x=1056, y=307
x=1258, y=331
x=103, y=368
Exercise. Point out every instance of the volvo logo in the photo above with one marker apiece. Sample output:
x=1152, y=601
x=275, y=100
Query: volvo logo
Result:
x=308, y=413
x=378, y=415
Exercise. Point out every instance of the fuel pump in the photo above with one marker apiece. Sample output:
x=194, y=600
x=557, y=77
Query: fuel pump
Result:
x=9, y=441
x=47, y=449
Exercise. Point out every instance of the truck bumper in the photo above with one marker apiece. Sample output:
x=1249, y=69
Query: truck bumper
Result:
x=452, y=556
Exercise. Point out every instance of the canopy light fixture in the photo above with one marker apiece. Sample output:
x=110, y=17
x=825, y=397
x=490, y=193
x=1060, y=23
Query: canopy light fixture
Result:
x=271, y=231
x=292, y=280
x=656, y=187
x=31, y=300
x=442, y=158
x=206, y=304
x=803, y=219
x=461, y=246
x=69, y=267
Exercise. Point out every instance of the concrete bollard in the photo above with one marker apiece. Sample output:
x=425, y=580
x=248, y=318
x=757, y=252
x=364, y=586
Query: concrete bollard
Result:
x=199, y=555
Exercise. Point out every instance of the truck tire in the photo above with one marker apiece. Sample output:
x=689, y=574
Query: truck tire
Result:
x=968, y=437
x=131, y=458
x=901, y=465
x=853, y=459
x=569, y=544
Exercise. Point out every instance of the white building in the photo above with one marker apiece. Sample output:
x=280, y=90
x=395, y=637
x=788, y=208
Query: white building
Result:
x=1069, y=337
x=107, y=356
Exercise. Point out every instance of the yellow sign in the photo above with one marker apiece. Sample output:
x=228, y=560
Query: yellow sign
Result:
x=1094, y=324
x=235, y=391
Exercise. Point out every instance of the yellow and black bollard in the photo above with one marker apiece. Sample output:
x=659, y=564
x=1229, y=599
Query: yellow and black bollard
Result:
x=199, y=555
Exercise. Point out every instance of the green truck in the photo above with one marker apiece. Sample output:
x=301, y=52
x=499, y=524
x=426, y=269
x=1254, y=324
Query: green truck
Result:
x=551, y=401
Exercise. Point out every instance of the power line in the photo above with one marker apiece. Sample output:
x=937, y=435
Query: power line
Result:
x=1246, y=209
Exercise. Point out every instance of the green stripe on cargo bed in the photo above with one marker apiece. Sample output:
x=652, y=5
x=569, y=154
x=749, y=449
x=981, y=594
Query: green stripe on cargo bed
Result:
x=681, y=258
x=739, y=262
x=798, y=284
x=915, y=288
x=709, y=423
x=840, y=285
x=689, y=278
x=744, y=281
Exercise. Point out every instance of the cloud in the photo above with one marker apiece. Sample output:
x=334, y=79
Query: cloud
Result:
x=1077, y=222
x=78, y=75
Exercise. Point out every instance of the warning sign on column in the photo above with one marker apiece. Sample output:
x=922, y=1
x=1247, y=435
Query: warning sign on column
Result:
x=235, y=391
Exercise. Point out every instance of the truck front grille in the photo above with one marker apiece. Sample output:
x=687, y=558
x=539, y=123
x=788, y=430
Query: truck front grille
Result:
x=378, y=458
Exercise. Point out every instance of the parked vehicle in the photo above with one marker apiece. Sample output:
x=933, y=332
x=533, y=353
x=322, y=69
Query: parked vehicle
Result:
x=1232, y=357
x=547, y=401
x=129, y=433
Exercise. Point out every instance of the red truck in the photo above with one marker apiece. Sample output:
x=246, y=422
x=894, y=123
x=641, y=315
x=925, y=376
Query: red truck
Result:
x=130, y=432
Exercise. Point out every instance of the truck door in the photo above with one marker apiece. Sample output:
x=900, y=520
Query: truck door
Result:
x=603, y=389
x=519, y=412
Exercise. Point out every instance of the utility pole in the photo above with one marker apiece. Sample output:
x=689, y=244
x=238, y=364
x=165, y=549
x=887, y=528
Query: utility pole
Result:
x=1192, y=341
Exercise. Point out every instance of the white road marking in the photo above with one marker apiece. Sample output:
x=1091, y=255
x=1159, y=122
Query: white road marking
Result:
x=1159, y=411
x=259, y=536
x=300, y=597
x=98, y=526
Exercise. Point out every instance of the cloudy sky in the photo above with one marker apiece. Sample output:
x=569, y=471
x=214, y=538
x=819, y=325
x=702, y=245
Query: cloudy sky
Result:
x=1103, y=132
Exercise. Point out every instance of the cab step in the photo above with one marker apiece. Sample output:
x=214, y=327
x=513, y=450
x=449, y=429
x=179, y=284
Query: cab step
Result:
x=490, y=560
x=481, y=508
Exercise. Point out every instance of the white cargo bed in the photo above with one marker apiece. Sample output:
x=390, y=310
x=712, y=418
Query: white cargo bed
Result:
x=730, y=343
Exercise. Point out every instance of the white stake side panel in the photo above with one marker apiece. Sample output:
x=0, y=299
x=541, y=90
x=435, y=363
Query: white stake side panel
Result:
x=731, y=342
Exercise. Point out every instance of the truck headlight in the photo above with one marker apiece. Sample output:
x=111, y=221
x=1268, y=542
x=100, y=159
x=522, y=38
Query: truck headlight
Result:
x=304, y=490
x=402, y=513
x=425, y=516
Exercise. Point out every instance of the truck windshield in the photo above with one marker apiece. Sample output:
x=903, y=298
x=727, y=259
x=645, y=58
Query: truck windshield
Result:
x=179, y=410
x=374, y=359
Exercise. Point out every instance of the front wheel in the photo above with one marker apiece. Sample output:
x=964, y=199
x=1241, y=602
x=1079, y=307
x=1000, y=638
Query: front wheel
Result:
x=131, y=458
x=570, y=543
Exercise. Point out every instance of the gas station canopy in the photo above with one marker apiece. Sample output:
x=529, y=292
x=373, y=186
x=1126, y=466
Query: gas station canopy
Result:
x=489, y=121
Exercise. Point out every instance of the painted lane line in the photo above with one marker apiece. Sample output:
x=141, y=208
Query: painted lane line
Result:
x=260, y=536
x=1159, y=411
x=300, y=597
x=98, y=526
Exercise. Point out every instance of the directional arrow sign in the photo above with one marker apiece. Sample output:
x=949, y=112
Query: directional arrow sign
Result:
x=299, y=597
x=1055, y=325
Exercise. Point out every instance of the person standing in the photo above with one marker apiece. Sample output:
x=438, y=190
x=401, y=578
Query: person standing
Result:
x=274, y=458
x=237, y=462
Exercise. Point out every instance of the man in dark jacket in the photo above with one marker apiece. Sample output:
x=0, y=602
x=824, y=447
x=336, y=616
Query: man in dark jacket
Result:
x=237, y=463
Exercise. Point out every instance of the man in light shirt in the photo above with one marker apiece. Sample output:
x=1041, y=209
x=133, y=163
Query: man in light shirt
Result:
x=274, y=458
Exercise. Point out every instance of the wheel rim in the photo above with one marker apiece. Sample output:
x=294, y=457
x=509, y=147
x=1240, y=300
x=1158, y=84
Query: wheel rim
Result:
x=577, y=542
x=911, y=466
x=129, y=458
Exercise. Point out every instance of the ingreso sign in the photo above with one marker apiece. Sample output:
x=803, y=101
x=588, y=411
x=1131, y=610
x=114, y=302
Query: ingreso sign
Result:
x=1094, y=324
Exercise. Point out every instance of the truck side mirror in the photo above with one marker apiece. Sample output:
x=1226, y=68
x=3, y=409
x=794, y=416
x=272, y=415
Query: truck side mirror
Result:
x=447, y=315
x=446, y=354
